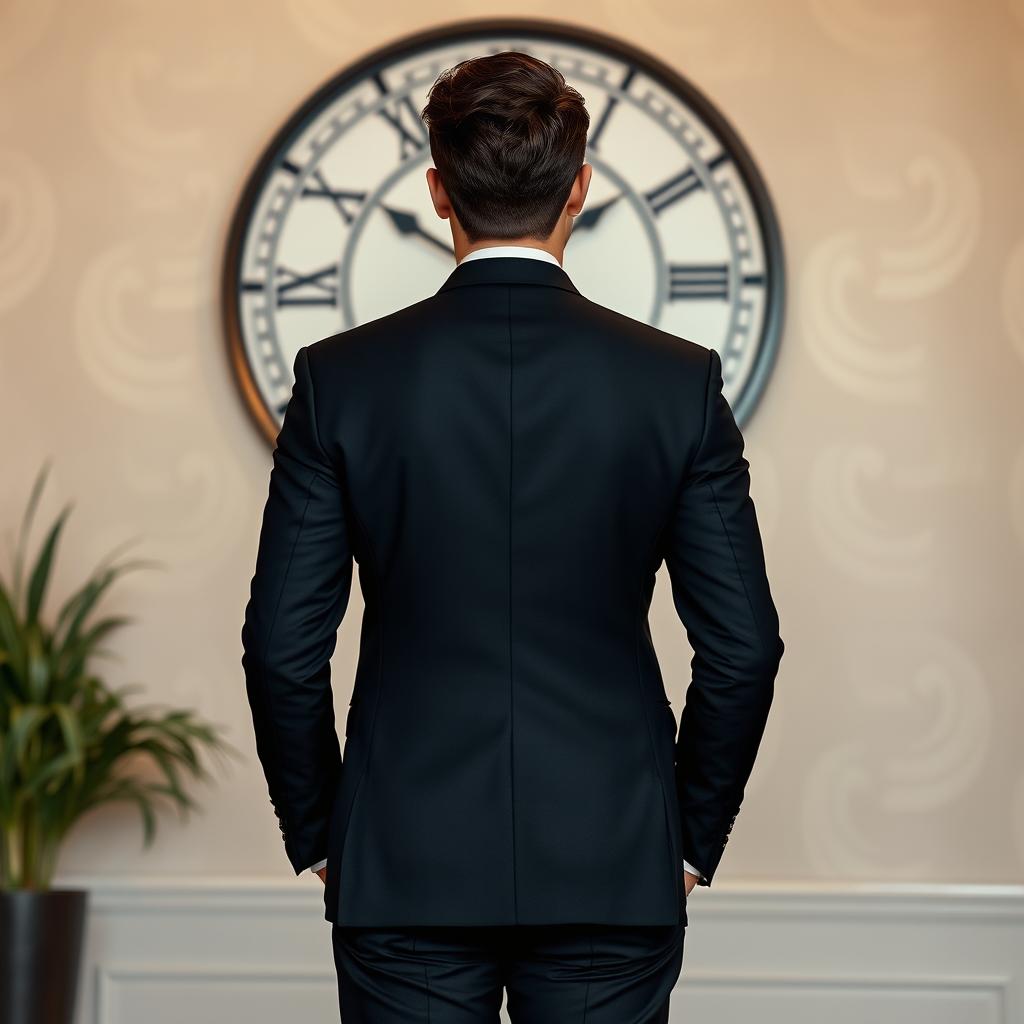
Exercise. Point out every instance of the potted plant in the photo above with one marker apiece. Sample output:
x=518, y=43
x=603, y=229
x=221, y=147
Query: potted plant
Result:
x=68, y=744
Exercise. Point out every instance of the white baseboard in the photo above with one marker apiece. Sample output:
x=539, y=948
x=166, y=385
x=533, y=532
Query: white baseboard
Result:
x=219, y=950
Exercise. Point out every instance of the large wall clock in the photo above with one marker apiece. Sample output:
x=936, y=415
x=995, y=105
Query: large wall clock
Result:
x=335, y=225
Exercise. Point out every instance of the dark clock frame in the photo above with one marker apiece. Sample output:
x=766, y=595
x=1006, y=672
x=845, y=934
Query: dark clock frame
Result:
x=744, y=403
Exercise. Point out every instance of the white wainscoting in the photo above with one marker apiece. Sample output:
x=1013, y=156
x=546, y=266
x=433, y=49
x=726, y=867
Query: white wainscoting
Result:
x=217, y=951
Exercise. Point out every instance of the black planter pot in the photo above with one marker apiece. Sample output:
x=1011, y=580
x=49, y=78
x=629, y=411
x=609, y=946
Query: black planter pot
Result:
x=40, y=950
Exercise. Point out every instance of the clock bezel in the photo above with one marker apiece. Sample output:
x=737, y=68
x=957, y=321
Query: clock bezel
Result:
x=743, y=404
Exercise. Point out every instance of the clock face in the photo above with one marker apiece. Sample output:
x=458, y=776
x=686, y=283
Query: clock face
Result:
x=336, y=226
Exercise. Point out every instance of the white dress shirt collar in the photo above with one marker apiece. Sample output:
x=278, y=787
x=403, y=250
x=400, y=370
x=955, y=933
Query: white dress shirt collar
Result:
x=527, y=251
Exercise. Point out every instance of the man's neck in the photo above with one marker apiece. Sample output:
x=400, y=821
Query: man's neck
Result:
x=547, y=244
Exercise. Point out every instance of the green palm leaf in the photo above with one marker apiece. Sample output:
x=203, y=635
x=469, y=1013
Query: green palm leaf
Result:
x=26, y=526
x=41, y=571
x=69, y=743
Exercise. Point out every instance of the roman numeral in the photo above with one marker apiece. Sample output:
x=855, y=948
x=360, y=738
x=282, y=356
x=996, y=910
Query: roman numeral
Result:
x=613, y=102
x=673, y=190
x=680, y=186
x=338, y=196
x=405, y=119
x=319, y=288
x=698, y=281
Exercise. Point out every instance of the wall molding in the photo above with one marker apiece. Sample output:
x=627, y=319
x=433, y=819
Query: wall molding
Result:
x=110, y=977
x=301, y=890
x=187, y=947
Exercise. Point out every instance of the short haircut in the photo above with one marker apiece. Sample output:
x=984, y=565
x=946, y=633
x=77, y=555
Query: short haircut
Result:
x=508, y=136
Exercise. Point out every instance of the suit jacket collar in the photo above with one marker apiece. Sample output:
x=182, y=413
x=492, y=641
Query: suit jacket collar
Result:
x=508, y=270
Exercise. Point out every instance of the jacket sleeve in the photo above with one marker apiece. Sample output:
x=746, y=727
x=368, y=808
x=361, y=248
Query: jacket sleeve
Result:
x=721, y=594
x=298, y=596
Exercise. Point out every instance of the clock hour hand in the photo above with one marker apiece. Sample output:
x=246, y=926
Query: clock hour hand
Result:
x=409, y=224
x=590, y=215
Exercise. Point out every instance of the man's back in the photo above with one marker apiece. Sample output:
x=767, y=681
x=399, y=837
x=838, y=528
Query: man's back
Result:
x=509, y=464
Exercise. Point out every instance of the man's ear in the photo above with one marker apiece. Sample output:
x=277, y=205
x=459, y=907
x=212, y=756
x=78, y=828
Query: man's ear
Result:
x=578, y=192
x=438, y=196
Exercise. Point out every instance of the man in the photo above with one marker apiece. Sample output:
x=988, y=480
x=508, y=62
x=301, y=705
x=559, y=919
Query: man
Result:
x=509, y=463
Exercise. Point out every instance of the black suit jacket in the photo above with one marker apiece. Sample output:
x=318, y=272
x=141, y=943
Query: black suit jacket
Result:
x=508, y=463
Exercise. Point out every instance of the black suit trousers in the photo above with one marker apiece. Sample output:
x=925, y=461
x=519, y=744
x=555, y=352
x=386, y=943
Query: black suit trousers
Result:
x=554, y=974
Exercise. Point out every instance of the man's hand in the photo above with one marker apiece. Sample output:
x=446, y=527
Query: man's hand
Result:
x=690, y=880
x=323, y=874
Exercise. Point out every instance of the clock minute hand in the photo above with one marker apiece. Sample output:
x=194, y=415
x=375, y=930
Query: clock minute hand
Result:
x=409, y=224
x=589, y=216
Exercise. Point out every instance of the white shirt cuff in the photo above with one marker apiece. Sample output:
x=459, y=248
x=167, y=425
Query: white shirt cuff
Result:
x=687, y=866
x=323, y=863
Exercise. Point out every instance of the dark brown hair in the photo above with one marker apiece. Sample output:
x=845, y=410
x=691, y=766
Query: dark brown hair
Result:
x=508, y=136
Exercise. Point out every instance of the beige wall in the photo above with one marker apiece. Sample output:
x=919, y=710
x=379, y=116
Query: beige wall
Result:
x=887, y=457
